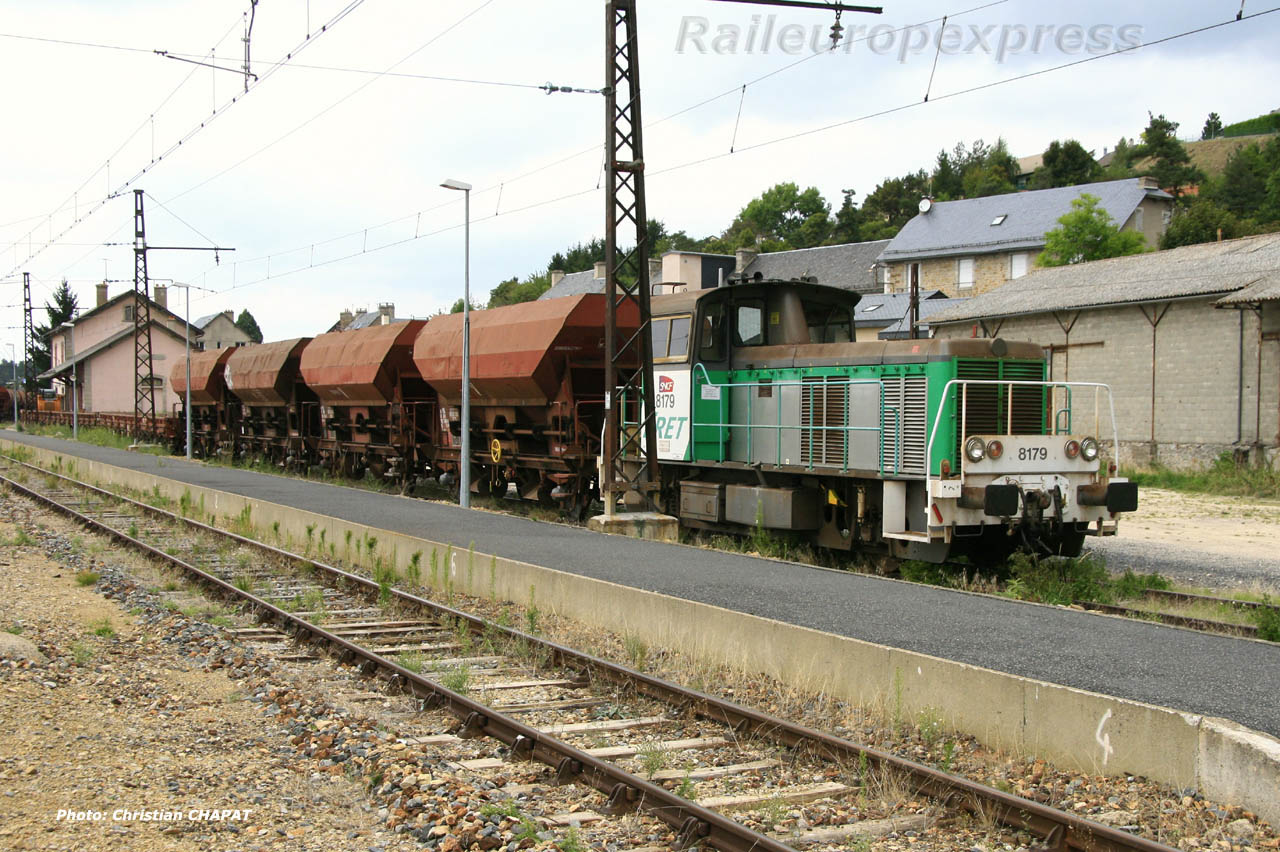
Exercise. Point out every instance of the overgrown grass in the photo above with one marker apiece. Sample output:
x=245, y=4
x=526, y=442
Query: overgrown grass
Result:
x=96, y=435
x=1224, y=476
x=1065, y=581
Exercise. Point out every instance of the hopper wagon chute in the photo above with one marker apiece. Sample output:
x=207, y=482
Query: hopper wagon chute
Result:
x=278, y=413
x=214, y=413
x=374, y=408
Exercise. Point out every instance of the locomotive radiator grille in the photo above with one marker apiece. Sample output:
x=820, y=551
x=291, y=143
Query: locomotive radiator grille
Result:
x=903, y=421
x=985, y=407
x=824, y=403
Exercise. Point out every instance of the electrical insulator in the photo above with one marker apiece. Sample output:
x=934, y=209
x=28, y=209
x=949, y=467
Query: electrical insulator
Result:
x=836, y=30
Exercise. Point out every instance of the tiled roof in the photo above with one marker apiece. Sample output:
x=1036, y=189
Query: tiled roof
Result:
x=882, y=309
x=848, y=266
x=902, y=328
x=966, y=227
x=575, y=284
x=1249, y=264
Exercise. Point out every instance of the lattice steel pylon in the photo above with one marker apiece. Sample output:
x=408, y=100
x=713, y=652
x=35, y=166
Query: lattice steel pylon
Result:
x=630, y=448
x=28, y=337
x=144, y=390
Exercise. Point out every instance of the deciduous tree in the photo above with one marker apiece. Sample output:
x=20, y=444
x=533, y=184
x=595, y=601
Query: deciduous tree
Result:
x=1088, y=233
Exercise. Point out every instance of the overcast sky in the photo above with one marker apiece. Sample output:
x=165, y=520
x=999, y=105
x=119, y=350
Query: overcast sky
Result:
x=314, y=173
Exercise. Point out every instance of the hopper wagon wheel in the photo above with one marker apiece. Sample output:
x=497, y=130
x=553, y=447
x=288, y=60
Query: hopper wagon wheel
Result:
x=378, y=467
x=484, y=484
x=544, y=493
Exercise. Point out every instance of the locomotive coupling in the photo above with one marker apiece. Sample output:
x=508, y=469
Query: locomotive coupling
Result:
x=1115, y=496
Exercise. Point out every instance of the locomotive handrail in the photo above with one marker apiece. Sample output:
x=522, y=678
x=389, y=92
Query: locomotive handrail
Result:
x=778, y=427
x=1051, y=386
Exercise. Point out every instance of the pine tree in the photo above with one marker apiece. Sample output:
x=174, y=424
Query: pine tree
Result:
x=61, y=309
x=1172, y=166
x=246, y=323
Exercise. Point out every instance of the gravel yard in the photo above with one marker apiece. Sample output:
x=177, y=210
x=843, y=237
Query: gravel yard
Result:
x=120, y=695
x=1200, y=540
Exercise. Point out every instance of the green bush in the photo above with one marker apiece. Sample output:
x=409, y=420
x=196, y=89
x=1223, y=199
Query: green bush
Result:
x=1267, y=617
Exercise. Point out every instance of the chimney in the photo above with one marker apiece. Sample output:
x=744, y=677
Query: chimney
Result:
x=655, y=270
x=102, y=294
x=557, y=275
x=1148, y=182
x=231, y=315
x=600, y=270
x=344, y=319
x=745, y=257
x=162, y=296
x=386, y=313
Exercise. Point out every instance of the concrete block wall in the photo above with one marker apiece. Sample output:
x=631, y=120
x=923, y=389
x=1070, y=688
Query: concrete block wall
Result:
x=1212, y=393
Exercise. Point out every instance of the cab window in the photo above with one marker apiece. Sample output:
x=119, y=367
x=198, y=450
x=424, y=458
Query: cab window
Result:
x=711, y=336
x=670, y=337
x=748, y=327
x=828, y=323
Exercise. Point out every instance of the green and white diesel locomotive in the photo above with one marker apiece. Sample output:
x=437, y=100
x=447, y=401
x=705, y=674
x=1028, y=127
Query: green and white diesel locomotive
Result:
x=771, y=414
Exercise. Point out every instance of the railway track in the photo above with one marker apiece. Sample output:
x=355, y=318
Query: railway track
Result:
x=483, y=674
x=1207, y=625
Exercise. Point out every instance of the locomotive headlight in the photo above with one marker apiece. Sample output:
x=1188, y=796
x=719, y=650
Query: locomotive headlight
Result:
x=1072, y=449
x=975, y=449
x=995, y=449
x=1089, y=449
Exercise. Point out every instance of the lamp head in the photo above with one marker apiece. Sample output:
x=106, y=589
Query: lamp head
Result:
x=456, y=184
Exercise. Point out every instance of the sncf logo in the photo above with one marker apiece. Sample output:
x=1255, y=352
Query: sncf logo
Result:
x=666, y=384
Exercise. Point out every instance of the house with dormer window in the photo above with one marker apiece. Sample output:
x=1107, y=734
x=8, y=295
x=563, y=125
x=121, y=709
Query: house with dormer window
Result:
x=968, y=247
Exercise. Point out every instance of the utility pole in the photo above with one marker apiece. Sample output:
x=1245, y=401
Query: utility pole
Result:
x=144, y=392
x=28, y=337
x=144, y=389
x=629, y=359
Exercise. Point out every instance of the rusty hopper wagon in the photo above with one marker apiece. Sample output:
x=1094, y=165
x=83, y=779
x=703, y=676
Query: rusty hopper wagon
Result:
x=278, y=413
x=373, y=405
x=537, y=394
x=214, y=415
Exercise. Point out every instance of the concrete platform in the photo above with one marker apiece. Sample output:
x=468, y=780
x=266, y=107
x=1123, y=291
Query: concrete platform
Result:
x=1093, y=692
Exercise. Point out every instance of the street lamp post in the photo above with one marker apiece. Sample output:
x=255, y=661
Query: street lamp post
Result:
x=187, y=334
x=464, y=474
x=75, y=398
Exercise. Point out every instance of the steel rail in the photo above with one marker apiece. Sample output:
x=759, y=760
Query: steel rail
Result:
x=1202, y=625
x=626, y=792
x=1059, y=830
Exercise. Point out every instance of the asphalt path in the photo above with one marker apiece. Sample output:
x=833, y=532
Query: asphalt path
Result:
x=1212, y=675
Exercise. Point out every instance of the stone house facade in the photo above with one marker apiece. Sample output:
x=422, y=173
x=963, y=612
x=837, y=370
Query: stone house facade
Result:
x=219, y=331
